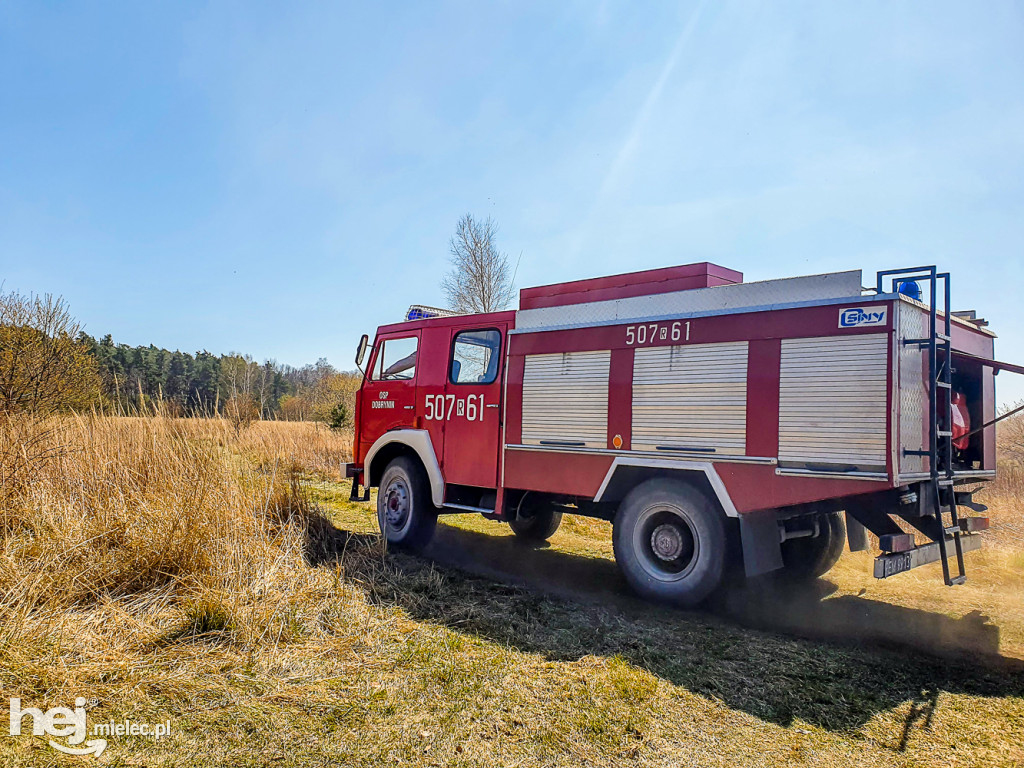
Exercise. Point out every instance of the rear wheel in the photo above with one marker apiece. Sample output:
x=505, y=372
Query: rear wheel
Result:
x=405, y=513
x=538, y=522
x=670, y=542
x=810, y=557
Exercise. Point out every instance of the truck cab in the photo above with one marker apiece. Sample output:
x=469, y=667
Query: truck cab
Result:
x=433, y=386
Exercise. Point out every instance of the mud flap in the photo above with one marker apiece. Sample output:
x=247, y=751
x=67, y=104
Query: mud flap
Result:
x=354, y=495
x=759, y=536
x=856, y=534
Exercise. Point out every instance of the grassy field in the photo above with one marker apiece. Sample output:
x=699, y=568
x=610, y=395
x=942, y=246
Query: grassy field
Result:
x=173, y=570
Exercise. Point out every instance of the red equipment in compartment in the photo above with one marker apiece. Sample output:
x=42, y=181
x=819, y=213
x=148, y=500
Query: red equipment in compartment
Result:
x=961, y=422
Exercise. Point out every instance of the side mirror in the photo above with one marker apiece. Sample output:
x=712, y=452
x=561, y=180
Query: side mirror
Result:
x=361, y=351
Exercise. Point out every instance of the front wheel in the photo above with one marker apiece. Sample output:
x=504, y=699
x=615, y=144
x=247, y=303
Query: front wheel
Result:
x=670, y=542
x=405, y=513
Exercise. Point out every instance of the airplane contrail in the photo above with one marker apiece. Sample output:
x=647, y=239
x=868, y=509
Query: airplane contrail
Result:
x=643, y=114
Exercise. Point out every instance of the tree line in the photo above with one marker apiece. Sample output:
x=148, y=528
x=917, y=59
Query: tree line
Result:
x=137, y=379
x=49, y=365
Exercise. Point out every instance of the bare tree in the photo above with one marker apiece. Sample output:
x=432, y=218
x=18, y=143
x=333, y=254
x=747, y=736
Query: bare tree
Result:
x=480, y=279
x=45, y=369
x=44, y=365
x=241, y=374
x=1010, y=434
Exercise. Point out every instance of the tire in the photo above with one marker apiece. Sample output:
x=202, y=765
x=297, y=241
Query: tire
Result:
x=539, y=525
x=809, y=558
x=670, y=542
x=405, y=513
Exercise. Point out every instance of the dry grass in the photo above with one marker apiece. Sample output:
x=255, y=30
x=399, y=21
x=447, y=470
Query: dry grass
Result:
x=1005, y=499
x=173, y=570
x=133, y=523
x=313, y=446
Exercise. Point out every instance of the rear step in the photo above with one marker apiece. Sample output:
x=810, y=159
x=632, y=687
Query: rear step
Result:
x=468, y=508
x=898, y=562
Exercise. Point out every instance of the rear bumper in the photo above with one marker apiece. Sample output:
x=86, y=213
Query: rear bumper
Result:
x=898, y=562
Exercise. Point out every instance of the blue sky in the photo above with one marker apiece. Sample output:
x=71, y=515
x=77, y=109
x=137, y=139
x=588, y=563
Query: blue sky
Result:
x=279, y=178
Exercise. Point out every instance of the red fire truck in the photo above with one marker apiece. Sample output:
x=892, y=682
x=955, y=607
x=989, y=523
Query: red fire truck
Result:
x=718, y=424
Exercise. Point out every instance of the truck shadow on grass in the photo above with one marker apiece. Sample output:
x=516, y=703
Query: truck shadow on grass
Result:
x=759, y=650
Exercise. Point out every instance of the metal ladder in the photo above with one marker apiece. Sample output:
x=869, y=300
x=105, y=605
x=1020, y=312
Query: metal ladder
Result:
x=940, y=401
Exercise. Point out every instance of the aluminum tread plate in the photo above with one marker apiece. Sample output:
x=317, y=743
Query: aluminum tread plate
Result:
x=719, y=298
x=912, y=323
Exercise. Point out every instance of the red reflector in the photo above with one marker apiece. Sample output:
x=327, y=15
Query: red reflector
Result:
x=896, y=542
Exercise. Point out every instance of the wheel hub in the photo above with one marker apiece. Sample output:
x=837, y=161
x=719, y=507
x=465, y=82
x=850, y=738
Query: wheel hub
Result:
x=667, y=542
x=396, y=504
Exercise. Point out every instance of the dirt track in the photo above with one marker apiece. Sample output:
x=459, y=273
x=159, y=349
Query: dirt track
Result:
x=762, y=604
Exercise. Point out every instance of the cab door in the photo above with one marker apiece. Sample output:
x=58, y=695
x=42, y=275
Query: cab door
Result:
x=472, y=402
x=389, y=394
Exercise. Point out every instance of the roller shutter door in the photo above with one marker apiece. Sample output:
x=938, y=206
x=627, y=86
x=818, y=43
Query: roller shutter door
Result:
x=832, y=400
x=691, y=398
x=565, y=399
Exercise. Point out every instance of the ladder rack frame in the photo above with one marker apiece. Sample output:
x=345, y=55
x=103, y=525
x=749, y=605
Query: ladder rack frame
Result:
x=940, y=409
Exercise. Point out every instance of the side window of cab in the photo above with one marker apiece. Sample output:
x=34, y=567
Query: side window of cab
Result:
x=476, y=356
x=396, y=360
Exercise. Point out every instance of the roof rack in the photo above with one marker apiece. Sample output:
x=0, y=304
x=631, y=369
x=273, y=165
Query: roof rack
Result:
x=422, y=312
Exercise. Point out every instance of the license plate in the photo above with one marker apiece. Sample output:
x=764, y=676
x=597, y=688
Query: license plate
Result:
x=896, y=563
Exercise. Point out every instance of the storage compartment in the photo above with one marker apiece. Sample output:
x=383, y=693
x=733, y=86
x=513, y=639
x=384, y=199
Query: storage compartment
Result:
x=967, y=379
x=565, y=399
x=832, y=402
x=972, y=392
x=691, y=399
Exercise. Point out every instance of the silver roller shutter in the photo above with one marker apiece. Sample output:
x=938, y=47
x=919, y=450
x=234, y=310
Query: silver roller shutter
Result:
x=565, y=399
x=691, y=397
x=832, y=400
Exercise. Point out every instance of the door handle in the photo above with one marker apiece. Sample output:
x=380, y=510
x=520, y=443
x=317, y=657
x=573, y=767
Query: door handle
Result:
x=492, y=405
x=409, y=407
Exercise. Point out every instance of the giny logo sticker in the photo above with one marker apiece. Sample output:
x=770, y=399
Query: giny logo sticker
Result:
x=859, y=317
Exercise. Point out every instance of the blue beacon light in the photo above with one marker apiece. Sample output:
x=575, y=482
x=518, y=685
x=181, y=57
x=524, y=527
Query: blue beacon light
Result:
x=909, y=288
